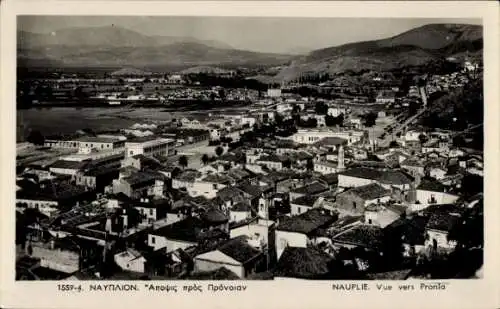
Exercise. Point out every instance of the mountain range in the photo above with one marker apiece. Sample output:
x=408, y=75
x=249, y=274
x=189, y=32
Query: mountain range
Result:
x=415, y=47
x=113, y=46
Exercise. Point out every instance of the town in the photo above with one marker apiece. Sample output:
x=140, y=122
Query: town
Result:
x=359, y=175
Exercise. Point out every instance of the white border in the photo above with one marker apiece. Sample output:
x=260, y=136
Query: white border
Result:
x=275, y=294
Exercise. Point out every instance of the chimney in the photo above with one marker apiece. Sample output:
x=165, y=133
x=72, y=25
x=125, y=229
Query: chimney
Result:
x=109, y=226
x=341, y=158
x=125, y=222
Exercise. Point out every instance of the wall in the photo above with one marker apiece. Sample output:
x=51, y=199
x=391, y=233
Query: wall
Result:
x=63, y=171
x=351, y=202
x=296, y=209
x=45, y=207
x=203, y=265
x=237, y=216
x=441, y=238
x=251, y=230
x=65, y=261
x=136, y=265
x=207, y=189
x=424, y=196
x=349, y=181
x=292, y=239
x=170, y=245
x=324, y=169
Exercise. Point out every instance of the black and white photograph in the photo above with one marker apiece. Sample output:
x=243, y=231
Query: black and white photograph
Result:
x=248, y=148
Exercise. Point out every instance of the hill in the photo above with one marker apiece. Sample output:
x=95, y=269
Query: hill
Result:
x=412, y=48
x=105, y=36
x=117, y=47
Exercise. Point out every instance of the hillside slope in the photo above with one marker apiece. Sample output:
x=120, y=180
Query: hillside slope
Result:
x=115, y=46
x=415, y=47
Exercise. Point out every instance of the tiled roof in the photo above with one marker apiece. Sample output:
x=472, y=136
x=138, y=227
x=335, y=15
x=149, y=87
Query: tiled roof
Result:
x=184, y=230
x=431, y=185
x=313, y=188
x=443, y=217
x=307, y=222
x=221, y=273
x=367, y=236
x=411, y=229
x=306, y=200
x=303, y=263
x=369, y=192
x=230, y=193
x=238, y=249
x=241, y=206
x=217, y=178
x=75, y=165
x=214, y=216
x=329, y=141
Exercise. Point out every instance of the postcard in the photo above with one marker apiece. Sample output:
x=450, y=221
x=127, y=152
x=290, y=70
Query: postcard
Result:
x=248, y=154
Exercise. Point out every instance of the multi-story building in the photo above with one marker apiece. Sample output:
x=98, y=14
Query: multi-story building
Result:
x=149, y=146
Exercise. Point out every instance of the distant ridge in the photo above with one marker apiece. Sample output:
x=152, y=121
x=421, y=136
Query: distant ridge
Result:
x=117, y=47
x=113, y=46
x=415, y=47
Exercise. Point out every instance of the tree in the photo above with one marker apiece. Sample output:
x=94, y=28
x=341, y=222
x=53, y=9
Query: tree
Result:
x=321, y=108
x=310, y=164
x=205, y=159
x=393, y=144
x=36, y=137
x=423, y=138
x=183, y=161
x=222, y=94
x=219, y=150
x=370, y=119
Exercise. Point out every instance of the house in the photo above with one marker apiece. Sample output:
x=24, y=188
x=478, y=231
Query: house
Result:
x=414, y=167
x=235, y=254
x=152, y=210
x=179, y=235
x=260, y=232
x=336, y=111
x=240, y=211
x=303, y=263
x=437, y=173
x=360, y=176
x=326, y=167
x=355, y=200
x=96, y=179
x=300, y=230
x=383, y=215
x=142, y=162
x=411, y=230
x=302, y=204
x=312, y=188
x=442, y=219
x=386, y=96
x=431, y=191
x=368, y=237
x=68, y=254
x=273, y=162
x=64, y=167
x=331, y=142
x=149, y=146
x=186, y=179
x=130, y=260
x=209, y=185
x=139, y=185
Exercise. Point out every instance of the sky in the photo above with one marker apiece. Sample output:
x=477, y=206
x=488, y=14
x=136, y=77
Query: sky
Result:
x=266, y=34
